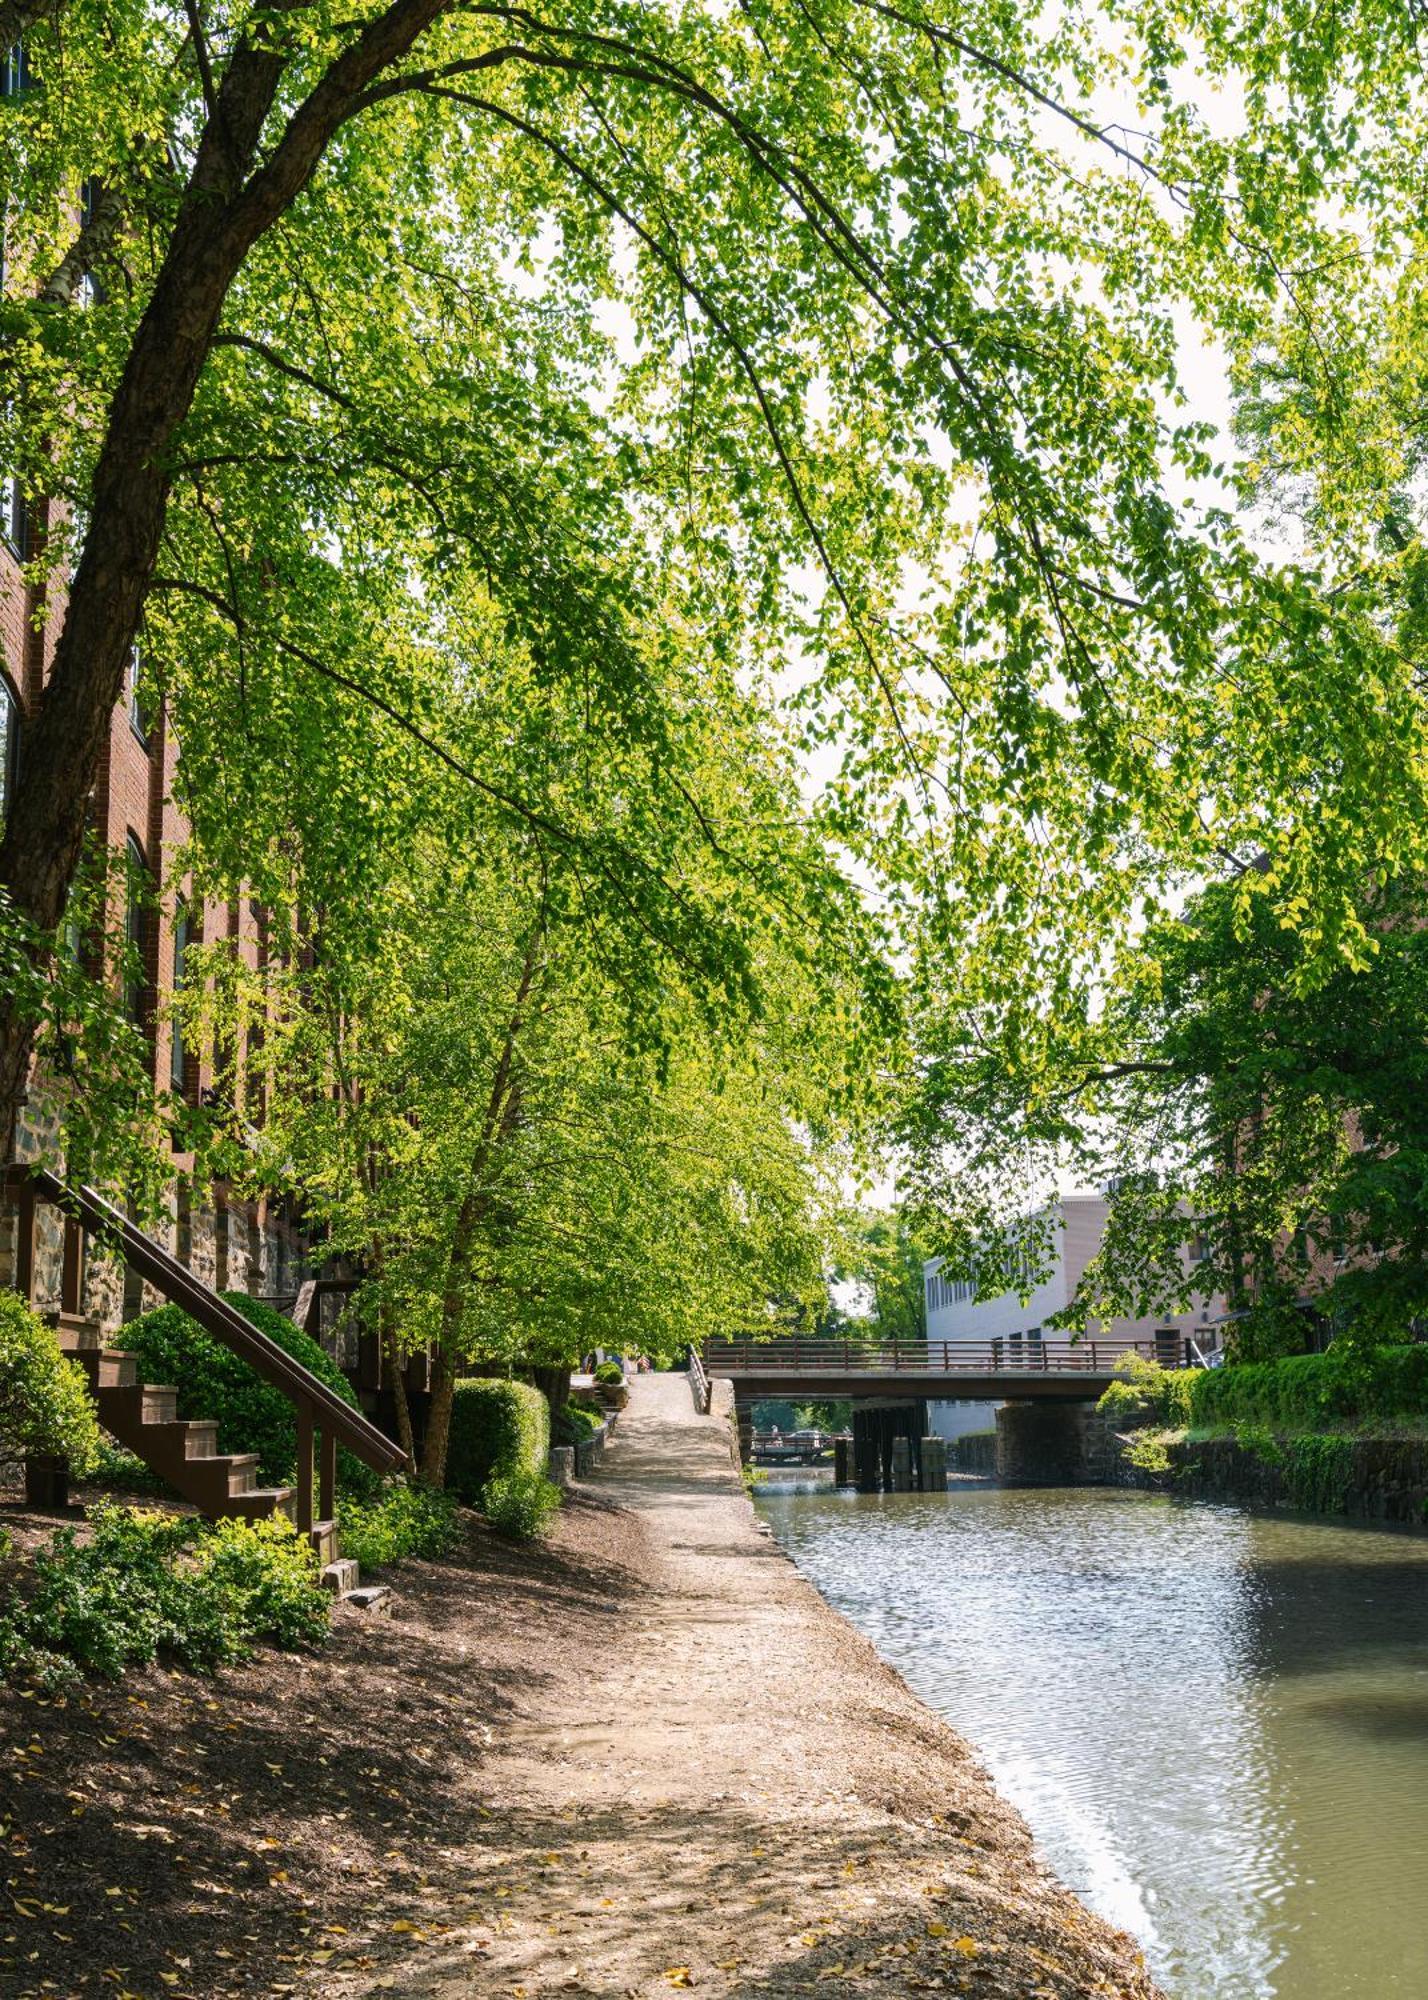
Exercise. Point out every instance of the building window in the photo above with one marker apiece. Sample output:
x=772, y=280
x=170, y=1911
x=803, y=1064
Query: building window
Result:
x=9, y=745
x=948, y=1291
x=15, y=74
x=133, y=673
x=14, y=524
x=136, y=933
x=178, y=1053
x=91, y=287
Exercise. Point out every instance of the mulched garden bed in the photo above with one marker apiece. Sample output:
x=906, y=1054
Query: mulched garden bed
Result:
x=175, y=1835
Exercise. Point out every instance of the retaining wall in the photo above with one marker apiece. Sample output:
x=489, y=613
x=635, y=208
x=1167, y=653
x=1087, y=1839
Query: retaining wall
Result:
x=1360, y=1479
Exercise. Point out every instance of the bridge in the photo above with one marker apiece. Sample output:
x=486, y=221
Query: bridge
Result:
x=1010, y=1369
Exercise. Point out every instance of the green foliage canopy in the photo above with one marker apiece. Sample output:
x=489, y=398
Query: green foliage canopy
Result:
x=679, y=350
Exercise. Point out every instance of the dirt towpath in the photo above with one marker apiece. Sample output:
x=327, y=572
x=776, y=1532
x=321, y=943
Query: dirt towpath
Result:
x=742, y=1799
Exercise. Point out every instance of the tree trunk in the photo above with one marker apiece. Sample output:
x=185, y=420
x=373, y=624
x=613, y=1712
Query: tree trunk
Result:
x=554, y=1385
x=395, y=1368
x=438, y=1421
x=502, y=1114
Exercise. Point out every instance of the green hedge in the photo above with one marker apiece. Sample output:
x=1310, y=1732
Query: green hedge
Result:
x=497, y=1429
x=575, y=1423
x=1347, y=1384
x=212, y=1382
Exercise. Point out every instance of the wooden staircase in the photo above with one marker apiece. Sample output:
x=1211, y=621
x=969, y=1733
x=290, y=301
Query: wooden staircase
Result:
x=144, y=1416
x=182, y=1450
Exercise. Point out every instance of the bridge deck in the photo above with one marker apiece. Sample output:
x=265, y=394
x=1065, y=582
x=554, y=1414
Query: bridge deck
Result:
x=941, y=1370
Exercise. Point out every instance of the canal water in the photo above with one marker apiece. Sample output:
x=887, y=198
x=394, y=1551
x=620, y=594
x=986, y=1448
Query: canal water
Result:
x=1215, y=1723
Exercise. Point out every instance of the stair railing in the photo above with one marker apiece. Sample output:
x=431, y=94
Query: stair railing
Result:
x=324, y=1420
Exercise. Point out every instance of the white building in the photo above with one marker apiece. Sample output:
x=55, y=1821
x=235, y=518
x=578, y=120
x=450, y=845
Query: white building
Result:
x=1077, y=1224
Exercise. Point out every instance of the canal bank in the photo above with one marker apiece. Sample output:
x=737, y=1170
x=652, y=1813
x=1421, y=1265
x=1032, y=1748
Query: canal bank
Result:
x=732, y=1792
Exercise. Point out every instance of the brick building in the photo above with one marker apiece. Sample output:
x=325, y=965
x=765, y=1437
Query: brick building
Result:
x=230, y=1244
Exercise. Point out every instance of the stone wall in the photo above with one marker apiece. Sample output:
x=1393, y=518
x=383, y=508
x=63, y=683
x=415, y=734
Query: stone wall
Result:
x=233, y=1246
x=1361, y=1479
x=1043, y=1444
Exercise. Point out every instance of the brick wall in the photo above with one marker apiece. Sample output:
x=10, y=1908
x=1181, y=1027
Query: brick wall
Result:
x=234, y=1246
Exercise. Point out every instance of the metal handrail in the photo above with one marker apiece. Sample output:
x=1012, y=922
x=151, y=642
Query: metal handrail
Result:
x=227, y=1325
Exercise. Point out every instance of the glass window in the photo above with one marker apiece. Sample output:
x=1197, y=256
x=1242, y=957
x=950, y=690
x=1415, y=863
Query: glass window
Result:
x=136, y=933
x=14, y=71
x=133, y=674
x=178, y=1055
x=12, y=514
x=9, y=745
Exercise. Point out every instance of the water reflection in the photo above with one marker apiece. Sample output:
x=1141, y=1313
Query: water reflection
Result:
x=1216, y=1724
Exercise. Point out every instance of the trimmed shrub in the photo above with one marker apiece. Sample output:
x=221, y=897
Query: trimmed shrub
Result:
x=610, y=1372
x=1347, y=1384
x=146, y=1583
x=212, y=1382
x=45, y=1406
x=497, y=1428
x=402, y=1521
x=520, y=1504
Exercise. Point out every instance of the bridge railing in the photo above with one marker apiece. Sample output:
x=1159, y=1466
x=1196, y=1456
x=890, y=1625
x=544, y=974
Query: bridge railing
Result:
x=698, y=1382
x=1002, y=1356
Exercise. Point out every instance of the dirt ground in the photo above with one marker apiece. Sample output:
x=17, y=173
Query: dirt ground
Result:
x=642, y=1758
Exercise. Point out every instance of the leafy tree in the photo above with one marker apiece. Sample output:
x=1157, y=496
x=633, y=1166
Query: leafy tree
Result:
x=540, y=1120
x=605, y=332
x=1273, y=1124
x=891, y=1263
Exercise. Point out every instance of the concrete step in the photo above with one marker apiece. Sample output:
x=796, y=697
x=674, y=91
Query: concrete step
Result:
x=223, y=1476
x=373, y=1598
x=341, y=1577
x=324, y=1541
x=75, y=1332
x=177, y=1438
x=129, y=1404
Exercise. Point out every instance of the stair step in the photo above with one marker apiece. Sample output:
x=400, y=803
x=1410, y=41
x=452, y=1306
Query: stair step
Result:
x=341, y=1577
x=373, y=1598
x=124, y=1405
x=159, y=1404
x=223, y=1475
x=179, y=1440
x=324, y=1541
x=77, y=1334
x=108, y=1367
x=260, y=1503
